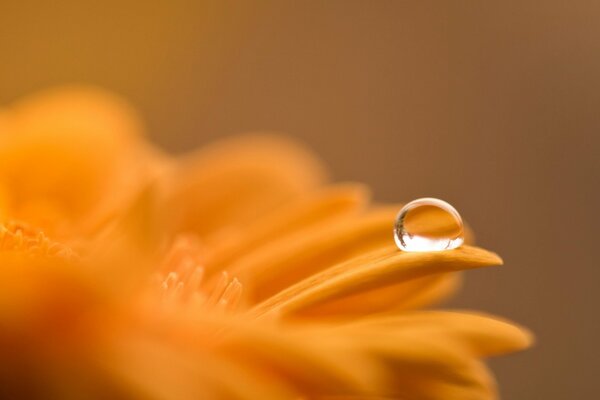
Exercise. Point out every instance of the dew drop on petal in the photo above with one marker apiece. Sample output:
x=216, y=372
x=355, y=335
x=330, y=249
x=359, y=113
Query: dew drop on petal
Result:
x=428, y=224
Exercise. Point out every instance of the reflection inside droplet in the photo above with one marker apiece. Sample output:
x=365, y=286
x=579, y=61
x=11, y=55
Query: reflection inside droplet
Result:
x=428, y=224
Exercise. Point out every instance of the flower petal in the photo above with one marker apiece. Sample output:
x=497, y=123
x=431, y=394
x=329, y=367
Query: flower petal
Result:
x=416, y=293
x=376, y=269
x=69, y=157
x=233, y=182
x=313, y=211
x=155, y=369
x=483, y=335
x=289, y=259
x=282, y=263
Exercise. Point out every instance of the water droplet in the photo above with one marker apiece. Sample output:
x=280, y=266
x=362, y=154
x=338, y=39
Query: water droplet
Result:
x=428, y=224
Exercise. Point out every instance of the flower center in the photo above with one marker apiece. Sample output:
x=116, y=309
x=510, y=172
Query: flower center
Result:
x=21, y=238
x=181, y=280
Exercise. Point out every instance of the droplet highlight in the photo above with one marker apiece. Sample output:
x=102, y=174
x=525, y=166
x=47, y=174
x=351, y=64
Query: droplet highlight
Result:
x=428, y=224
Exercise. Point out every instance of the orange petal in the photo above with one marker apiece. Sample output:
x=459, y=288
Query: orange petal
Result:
x=482, y=335
x=413, y=364
x=416, y=293
x=234, y=182
x=316, y=210
x=376, y=269
x=151, y=368
x=282, y=263
x=66, y=153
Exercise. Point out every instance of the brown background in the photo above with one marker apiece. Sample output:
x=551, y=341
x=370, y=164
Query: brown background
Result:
x=490, y=105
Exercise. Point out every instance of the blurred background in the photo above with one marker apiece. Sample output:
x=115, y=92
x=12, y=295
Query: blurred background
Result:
x=492, y=106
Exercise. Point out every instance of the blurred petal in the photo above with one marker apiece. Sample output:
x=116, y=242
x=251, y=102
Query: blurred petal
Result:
x=414, y=365
x=237, y=181
x=314, y=211
x=416, y=293
x=281, y=263
x=483, y=335
x=151, y=369
x=298, y=356
x=69, y=157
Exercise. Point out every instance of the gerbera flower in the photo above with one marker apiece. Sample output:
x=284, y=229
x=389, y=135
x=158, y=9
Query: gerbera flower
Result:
x=235, y=272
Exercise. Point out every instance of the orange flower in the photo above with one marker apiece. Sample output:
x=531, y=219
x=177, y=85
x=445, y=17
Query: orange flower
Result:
x=231, y=273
